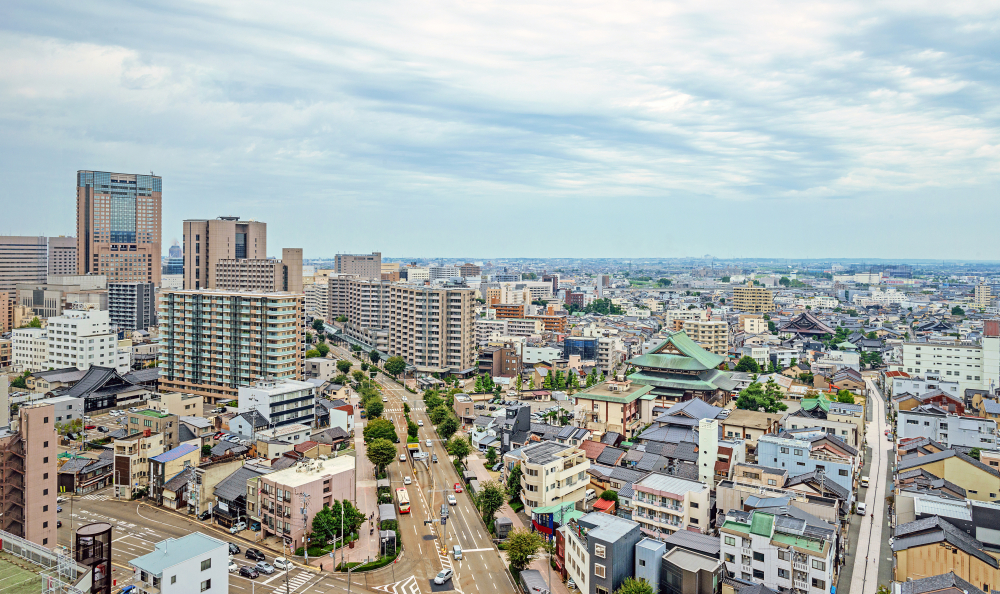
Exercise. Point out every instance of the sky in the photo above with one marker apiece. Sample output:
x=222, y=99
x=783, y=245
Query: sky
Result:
x=549, y=129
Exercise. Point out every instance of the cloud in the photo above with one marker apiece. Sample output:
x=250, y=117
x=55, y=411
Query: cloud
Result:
x=457, y=128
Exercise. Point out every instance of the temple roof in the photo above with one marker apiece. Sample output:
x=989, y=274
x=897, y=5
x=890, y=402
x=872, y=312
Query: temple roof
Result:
x=806, y=323
x=678, y=352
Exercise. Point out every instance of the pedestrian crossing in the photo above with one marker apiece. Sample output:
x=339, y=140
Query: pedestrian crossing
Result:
x=97, y=497
x=295, y=581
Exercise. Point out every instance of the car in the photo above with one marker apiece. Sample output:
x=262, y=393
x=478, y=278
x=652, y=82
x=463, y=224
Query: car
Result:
x=385, y=399
x=402, y=457
x=218, y=436
x=249, y=572
x=86, y=418
x=115, y=413
x=58, y=508
x=238, y=527
x=452, y=500
x=127, y=590
x=497, y=467
x=862, y=508
x=493, y=408
x=434, y=458
x=103, y=429
x=264, y=567
x=233, y=567
x=891, y=540
x=133, y=409
x=458, y=487
x=404, y=399
x=443, y=576
x=206, y=515
x=89, y=427
x=406, y=480
x=571, y=584
x=234, y=549
x=60, y=499
x=457, y=552
x=254, y=554
x=282, y=563
x=58, y=523
x=255, y=526
x=429, y=444
x=420, y=423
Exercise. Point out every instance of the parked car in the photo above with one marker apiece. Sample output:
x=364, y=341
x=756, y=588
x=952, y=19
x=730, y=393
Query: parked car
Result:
x=255, y=526
x=443, y=576
x=404, y=399
x=206, y=515
x=254, y=555
x=862, y=508
x=58, y=509
x=571, y=584
x=458, y=487
x=58, y=523
x=103, y=429
x=89, y=427
x=127, y=590
x=60, y=499
x=234, y=549
x=115, y=413
x=497, y=467
x=452, y=500
x=264, y=567
x=282, y=563
x=133, y=409
x=233, y=567
x=249, y=572
x=238, y=527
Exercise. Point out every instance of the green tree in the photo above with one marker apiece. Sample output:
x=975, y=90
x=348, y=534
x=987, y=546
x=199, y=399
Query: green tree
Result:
x=459, y=447
x=793, y=362
x=634, y=586
x=664, y=282
x=514, y=482
x=35, y=323
x=353, y=518
x=309, y=337
x=406, y=409
x=317, y=325
x=574, y=380
x=364, y=366
x=871, y=335
x=547, y=381
x=517, y=383
x=374, y=357
x=438, y=415
x=531, y=382
x=491, y=455
x=725, y=279
x=358, y=375
x=747, y=365
x=394, y=366
x=323, y=526
x=381, y=452
x=311, y=353
x=772, y=327
x=206, y=451
x=343, y=366
x=20, y=381
x=448, y=427
x=610, y=495
x=380, y=429
x=412, y=429
x=489, y=500
x=845, y=397
x=975, y=453
x=955, y=311
x=756, y=397
x=784, y=281
x=323, y=349
x=522, y=546
x=375, y=409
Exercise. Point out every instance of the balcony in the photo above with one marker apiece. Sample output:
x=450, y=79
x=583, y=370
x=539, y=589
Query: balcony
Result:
x=800, y=585
x=797, y=566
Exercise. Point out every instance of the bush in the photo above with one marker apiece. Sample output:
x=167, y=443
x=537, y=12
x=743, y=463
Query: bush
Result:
x=516, y=505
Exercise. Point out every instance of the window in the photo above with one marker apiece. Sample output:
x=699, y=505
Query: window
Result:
x=771, y=482
x=207, y=584
x=819, y=584
x=745, y=559
x=758, y=557
x=46, y=419
x=843, y=472
x=45, y=524
x=798, y=452
x=783, y=573
x=173, y=579
x=599, y=551
x=45, y=444
x=731, y=541
x=784, y=555
x=730, y=558
x=694, y=505
x=45, y=508
x=758, y=574
x=784, y=450
x=45, y=476
x=598, y=570
x=45, y=491
x=206, y=564
x=820, y=565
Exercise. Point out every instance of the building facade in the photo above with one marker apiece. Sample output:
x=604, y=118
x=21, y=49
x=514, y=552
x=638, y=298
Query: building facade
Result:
x=80, y=339
x=664, y=504
x=30, y=349
x=362, y=265
x=132, y=454
x=192, y=563
x=62, y=255
x=23, y=259
x=207, y=241
x=132, y=306
x=751, y=299
x=267, y=276
x=28, y=469
x=711, y=335
x=118, y=225
x=280, y=402
x=212, y=342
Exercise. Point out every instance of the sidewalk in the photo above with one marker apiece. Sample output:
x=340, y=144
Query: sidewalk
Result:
x=478, y=465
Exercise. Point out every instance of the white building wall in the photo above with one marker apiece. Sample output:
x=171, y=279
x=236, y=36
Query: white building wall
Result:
x=81, y=339
x=30, y=349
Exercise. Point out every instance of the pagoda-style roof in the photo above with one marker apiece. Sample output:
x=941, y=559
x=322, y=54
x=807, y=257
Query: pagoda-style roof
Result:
x=709, y=380
x=677, y=353
x=806, y=323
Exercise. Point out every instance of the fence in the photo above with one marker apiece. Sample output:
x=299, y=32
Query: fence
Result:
x=60, y=572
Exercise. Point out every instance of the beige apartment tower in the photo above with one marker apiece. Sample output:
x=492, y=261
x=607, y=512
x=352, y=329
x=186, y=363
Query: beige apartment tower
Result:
x=984, y=295
x=28, y=486
x=363, y=265
x=118, y=226
x=22, y=260
x=213, y=342
x=751, y=299
x=261, y=275
x=62, y=255
x=711, y=335
x=207, y=242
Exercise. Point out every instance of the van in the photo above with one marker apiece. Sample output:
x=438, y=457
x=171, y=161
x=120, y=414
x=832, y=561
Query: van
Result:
x=458, y=553
x=591, y=494
x=862, y=508
x=864, y=481
x=444, y=510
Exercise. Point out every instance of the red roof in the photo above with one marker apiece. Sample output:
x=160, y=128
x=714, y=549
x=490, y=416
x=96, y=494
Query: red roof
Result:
x=896, y=374
x=603, y=505
x=305, y=446
x=720, y=465
x=593, y=449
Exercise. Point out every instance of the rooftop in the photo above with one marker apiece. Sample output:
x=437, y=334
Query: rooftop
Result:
x=178, y=452
x=298, y=475
x=172, y=551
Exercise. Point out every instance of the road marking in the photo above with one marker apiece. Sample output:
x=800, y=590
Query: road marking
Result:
x=475, y=550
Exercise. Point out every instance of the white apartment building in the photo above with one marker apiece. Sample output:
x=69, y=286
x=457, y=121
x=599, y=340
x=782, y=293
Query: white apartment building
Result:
x=281, y=402
x=30, y=349
x=610, y=353
x=551, y=473
x=781, y=552
x=918, y=385
x=760, y=354
x=487, y=330
x=664, y=504
x=294, y=433
x=523, y=327
x=684, y=314
x=195, y=562
x=962, y=362
x=946, y=429
x=754, y=325
x=443, y=272
x=417, y=273
x=81, y=338
x=316, y=298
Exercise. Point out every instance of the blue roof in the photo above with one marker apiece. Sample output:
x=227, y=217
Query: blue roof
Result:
x=172, y=551
x=178, y=452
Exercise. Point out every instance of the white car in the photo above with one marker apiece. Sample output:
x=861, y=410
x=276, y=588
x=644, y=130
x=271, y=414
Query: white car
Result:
x=862, y=508
x=133, y=409
x=451, y=499
x=402, y=457
x=115, y=413
x=404, y=399
x=429, y=444
x=420, y=423
x=385, y=399
x=443, y=576
x=282, y=563
x=233, y=567
x=239, y=527
x=406, y=480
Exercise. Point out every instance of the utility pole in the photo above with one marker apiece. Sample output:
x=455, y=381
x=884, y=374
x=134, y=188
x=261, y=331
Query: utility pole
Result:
x=305, y=524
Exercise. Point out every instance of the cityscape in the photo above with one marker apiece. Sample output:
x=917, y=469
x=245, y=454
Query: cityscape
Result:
x=482, y=298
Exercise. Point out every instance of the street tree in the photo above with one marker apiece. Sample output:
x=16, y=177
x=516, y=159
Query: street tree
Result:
x=353, y=518
x=311, y=353
x=406, y=408
x=395, y=366
x=343, y=366
x=438, y=415
x=375, y=409
x=448, y=427
x=358, y=375
x=380, y=428
x=634, y=586
x=412, y=429
x=381, y=452
x=374, y=357
x=489, y=500
x=317, y=325
x=491, y=456
x=323, y=349
x=514, y=483
x=522, y=546
x=459, y=447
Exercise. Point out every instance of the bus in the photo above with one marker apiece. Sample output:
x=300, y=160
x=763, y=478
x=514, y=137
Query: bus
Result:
x=403, y=499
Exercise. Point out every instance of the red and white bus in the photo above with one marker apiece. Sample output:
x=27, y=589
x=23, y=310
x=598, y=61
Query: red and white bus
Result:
x=403, y=499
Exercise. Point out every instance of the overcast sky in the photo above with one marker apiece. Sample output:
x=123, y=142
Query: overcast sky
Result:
x=793, y=129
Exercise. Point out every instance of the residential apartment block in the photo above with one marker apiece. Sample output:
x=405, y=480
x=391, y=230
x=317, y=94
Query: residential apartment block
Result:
x=947, y=429
x=30, y=349
x=280, y=402
x=751, y=299
x=362, y=265
x=62, y=255
x=551, y=473
x=23, y=259
x=809, y=450
x=28, y=469
x=265, y=275
x=81, y=339
x=959, y=362
x=132, y=306
x=664, y=504
x=212, y=342
x=711, y=335
x=208, y=241
x=132, y=454
x=600, y=551
x=147, y=419
x=118, y=226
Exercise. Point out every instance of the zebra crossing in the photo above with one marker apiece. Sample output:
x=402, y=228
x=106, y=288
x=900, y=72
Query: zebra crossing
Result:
x=97, y=497
x=295, y=581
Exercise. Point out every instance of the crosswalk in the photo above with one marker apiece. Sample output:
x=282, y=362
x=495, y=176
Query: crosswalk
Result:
x=97, y=497
x=407, y=586
x=295, y=581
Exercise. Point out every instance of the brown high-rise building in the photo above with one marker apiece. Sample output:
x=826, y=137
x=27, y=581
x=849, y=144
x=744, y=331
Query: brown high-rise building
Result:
x=62, y=255
x=28, y=472
x=207, y=242
x=22, y=260
x=363, y=265
x=118, y=226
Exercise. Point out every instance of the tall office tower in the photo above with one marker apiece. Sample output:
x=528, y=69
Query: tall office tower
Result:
x=266, y=276
x=175, y=250
x=213, y=342
x=62, y=255
x=22, y=260
x=207, y=241
x=118, y=225
x=28, y=487
x=132, y=305
x=363, y=265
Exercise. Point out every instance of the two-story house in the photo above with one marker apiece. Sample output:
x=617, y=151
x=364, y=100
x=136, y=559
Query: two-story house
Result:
x=600, y=551
x=806, y=451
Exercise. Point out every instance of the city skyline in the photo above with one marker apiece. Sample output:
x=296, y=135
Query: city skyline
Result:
x=680, y=127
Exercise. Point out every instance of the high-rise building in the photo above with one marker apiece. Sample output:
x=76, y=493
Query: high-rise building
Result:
x=469, y=270
x=23, y=259
x=28, y=470
x=81, y=338
x=207, y=241
x=711, y=335
x=132, y=305
x=213, y=342
x=363, y=265
x=984, y=295
x=751, y=299
x=58, y=293
x=175, y=250
x=62, y=255
x=266, y=276
x=118, y=225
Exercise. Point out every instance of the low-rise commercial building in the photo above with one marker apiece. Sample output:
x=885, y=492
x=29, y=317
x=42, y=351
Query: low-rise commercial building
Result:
x=132, y=454
x=192, y=563
x=306, y=486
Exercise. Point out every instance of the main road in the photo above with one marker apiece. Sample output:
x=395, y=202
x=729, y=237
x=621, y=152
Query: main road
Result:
x=429, y=547
x=868, y=549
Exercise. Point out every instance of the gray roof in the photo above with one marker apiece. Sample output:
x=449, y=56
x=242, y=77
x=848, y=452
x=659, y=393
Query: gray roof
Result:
x=254, y=418
x=610, y=437
x=235, y=484
x=935, y=583
x=627, y=475
x=934, y=530
x=179, y=481
x=225, y=447
x=197, y=422
x=991, y=407
x=386, y=511
x=914, y=461
x=814, y=476
x=695, y=541
x=543, y=452
x=610, y=456
x=172, y=551
x=143, y=376
x=606, y=527
x=668, y=434
x=331, y=435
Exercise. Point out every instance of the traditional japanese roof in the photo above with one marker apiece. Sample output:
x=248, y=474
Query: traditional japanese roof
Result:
x=100, y=381
x=678, y=352
x=806, y=323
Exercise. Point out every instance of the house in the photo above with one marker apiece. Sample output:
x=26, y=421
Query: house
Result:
x=951, y=430
x=980, y=481
x=103, y=388
x=85, y=475
x=805, y=451
x=167, y=465
x=231, y=495
x=195, y=562
x=611, y=406
x=600, y=551
x=131, y=462
x=933, y=546
x=750, y=425
x=947, y=583
x=664, y=504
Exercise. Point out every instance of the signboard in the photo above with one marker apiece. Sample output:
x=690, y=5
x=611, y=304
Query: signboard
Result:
x=223, y=506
